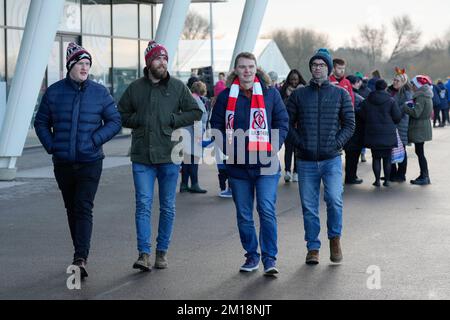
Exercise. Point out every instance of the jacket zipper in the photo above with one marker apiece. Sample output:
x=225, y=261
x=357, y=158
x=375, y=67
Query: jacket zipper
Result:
x=319, y=98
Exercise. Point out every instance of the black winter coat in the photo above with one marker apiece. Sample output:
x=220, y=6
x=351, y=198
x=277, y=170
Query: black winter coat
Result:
x=356, y=142
x=321, y=121
x=380, y=114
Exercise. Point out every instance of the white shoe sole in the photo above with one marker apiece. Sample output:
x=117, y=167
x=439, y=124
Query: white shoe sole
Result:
x=242, y=269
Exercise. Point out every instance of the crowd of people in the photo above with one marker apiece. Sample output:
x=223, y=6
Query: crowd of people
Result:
x=315, y=120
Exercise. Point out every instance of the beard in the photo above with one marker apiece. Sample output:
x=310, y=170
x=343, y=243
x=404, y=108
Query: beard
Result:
x=158, y=72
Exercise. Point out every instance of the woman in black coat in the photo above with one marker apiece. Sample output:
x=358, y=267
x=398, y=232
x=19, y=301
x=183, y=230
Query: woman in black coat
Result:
x=380, y=113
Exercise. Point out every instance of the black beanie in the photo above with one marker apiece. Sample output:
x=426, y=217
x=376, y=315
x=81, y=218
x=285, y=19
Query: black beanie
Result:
x=380, y=85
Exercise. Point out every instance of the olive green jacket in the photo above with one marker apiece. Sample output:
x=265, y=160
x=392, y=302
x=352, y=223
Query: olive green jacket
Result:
x=154, y=111
x=419, y=128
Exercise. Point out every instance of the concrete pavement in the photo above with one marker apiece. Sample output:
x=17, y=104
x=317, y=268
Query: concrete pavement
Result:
x=401, y=231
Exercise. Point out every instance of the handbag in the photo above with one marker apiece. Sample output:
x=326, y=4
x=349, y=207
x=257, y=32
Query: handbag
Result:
x=398, y=153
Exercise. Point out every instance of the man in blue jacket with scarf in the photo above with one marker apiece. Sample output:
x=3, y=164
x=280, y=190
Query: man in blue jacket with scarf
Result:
x=75, y=118
x=322, y=120
x=249, y=114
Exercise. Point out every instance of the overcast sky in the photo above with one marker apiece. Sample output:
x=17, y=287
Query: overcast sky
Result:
x=338, y=19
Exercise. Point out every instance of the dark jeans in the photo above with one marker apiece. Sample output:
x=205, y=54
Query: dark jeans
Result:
x=351, y=164
x=398, y=170
x=289, y=151
x=189, y=169
x=78, y=184
x=419, y=148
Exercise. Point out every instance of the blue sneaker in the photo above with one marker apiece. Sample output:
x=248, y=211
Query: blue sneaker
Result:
x=226, y=194
x=251, y=264
x=270, y=268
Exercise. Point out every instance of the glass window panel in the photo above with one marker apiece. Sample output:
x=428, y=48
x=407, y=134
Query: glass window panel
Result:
x=100, y=49
x=145, y=20
x=54, y=64
x=13, y=46
x=125, y=65
x=71, y=19
x=2, y=12
x=16, y=12
x=2, y=56
x=143, y=46
x=125, y=20
x=96, y=17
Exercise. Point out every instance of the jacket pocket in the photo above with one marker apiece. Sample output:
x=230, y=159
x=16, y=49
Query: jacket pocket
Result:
x=137, y=140
x=166, y=130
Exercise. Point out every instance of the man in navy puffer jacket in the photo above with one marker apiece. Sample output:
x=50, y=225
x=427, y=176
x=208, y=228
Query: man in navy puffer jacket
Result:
x=321, y=121
x=75, y=118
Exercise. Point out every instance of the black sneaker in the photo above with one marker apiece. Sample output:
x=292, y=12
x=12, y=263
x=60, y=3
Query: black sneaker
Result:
x=354, y=181
x=143, y=262
x=195, y=188
x=421, y=181
x=81, y=263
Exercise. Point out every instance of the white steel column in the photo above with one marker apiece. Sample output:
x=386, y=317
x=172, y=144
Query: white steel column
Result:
x=171, y=24
x=40, y=30
x=249, y=29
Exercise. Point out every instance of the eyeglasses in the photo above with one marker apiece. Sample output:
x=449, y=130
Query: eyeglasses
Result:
x=318, y=65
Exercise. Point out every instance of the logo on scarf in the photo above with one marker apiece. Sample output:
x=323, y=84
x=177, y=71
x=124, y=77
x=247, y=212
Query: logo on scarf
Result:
x=230, y=121
x=259, y=122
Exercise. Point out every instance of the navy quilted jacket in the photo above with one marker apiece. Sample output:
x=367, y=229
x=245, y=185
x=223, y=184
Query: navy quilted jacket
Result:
x=321, y=121
x=74, y=121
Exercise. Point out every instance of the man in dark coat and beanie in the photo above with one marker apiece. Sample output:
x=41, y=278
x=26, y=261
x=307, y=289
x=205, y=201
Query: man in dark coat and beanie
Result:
x=321, y=121
x=75, y=118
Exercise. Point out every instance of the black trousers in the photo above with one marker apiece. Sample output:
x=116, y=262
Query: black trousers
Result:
x=436, y=116
x=189, y=169
x=223, y=176
x=423, y=164
x=351, y=164
x=376, y=165
x=78, y=184
x=398, y=170
x=289, y=150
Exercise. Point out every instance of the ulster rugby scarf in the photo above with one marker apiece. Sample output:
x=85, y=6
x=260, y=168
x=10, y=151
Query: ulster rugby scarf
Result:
x=258, y=128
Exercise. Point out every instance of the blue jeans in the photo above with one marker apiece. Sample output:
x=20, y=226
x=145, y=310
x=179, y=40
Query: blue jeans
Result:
x=310, y=175
x=144, y=181
x=243, y=191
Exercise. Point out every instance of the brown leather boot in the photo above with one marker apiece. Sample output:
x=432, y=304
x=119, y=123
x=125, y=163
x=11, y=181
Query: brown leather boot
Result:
x=312, y=257
x=335, y=250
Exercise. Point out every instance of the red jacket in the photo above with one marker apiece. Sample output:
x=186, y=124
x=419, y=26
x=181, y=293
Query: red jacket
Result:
x=344, y=83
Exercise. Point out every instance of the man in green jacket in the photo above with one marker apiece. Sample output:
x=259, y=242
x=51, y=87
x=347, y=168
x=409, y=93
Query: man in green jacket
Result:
x=154, y=106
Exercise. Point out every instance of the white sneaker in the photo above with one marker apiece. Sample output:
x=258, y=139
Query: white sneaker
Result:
x=287, y=176
x=295, y=177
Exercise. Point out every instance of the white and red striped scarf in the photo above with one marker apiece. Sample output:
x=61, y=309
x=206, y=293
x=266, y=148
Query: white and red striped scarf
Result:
x=258, y=126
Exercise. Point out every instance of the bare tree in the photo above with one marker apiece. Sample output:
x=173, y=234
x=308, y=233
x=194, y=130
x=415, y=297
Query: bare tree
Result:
x=372, y=42
x=195, y=27
x=407, y=36
x=298, y=45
